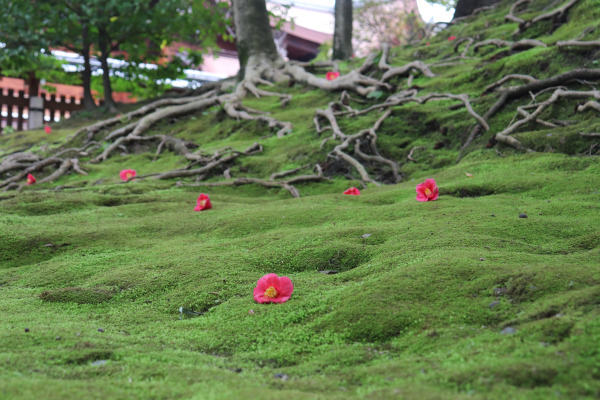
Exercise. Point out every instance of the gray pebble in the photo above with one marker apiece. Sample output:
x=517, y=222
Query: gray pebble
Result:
x=283, y=377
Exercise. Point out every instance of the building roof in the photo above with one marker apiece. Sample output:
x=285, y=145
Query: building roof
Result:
x=305, y=33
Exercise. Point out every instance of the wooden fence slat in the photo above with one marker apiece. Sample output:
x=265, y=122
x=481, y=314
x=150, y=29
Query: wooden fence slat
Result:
x=20, y=108
x=19, y=103
x=9, y=117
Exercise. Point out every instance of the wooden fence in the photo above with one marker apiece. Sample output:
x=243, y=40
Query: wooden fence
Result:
x=15, y=109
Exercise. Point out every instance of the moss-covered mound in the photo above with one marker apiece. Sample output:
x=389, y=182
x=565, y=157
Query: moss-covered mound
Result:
x=76, y=295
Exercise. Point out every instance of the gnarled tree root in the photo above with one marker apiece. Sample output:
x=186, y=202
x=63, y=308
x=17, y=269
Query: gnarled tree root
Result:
x=534, y=86
x=285, y=184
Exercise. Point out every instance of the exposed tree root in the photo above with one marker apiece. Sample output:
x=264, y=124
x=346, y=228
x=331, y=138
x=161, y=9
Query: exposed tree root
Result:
x=217, y=161
x=468, y=40
x=577, y=43
x=407, y=96
x=65, y=166
x=149, y=120
x=37, y=166
x=524, y=44
x=511, y=14
x=353, y=81
x=288, y=172
x=410, y=157
x=385, y=53
x=235, y=110
x=507, y=78
x=369, y=135
x=309, y=65
x=407, y=69
x=558, y=15
x=17, y=161
x=285, y=184
x=531, y=87
x=594, y=105
x=148, y=108
x=503, y=137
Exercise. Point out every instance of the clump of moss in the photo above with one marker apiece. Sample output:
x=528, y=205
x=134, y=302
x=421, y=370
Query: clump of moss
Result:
x=77, y=295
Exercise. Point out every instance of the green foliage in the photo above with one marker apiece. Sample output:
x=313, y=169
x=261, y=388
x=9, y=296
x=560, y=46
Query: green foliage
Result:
x=22, y=36
x=137, y=31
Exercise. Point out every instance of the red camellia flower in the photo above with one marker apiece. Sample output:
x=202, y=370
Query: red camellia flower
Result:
x=427, y=44
x=30, y=179
x=271, y=288
x=203, y=203
x=427, y=191
x=331, y=75
x=47, y=129
x=126, y=174
x=353, y=191
x=451, y=38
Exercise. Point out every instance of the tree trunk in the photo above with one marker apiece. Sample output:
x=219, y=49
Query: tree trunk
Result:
x=86, y=75
x=104, y=45
x=342, y=36
x=254, y=38
x=466, y=7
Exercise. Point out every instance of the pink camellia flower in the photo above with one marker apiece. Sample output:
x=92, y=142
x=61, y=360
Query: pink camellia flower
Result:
x=331, y=75
x=126, y=174
x=271, y=288
x=427, y=44
x=47, y=129
x=30, y=179
x=427, y=191
x=451, y=38
x=203, y=203
x=353, y=191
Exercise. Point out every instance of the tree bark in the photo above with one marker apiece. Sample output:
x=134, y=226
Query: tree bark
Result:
x=104, y=44
x=86, y=75
x=466, y=7
x=342, y=36
x=253, y=32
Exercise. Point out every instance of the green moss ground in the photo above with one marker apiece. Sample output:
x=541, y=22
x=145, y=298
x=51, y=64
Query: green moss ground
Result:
x=407, y=315
x=457, y=298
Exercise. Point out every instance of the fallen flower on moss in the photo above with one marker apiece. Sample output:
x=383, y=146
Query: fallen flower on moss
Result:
x=353, y=191
x=126, y=174
x=203, y=203
x=47, y=129
x=30, y=179
x=273, y=289
x=427, y=191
